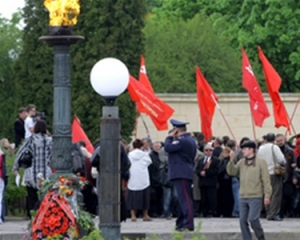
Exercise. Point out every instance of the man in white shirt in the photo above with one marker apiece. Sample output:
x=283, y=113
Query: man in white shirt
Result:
x=29, y=121
x=272, y=154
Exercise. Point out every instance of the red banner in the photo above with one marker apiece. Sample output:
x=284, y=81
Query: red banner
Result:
x=273, y=81
x=154, y=107
x=258, y=105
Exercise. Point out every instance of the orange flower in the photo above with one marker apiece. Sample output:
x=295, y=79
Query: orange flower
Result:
x=62, y=179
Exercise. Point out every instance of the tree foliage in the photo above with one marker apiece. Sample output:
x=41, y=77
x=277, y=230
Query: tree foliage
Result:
x=174, y=47
x=152, y=4
x=10, y=38
x=33, y=70
x=111, y=29
x=272, y=24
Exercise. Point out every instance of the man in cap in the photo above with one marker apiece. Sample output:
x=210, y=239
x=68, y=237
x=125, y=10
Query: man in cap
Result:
x=254, y=184
x=181, y=148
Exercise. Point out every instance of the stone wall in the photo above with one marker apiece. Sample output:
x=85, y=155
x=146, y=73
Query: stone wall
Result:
x=236, y=109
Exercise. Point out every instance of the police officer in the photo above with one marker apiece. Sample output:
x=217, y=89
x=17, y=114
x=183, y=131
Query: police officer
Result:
x=181, y=148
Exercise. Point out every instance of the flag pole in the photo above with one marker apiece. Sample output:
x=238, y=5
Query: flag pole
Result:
x=136, y=122
x=293, y=115
x=145, y=125
x=253, y=124
x=224, y=118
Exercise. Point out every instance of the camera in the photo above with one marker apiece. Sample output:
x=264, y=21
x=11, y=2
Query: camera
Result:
x=40, y=116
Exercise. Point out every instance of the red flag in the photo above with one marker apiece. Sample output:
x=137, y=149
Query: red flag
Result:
x=207, y=100
x=273, y=81
x=159, y=111
x=78, y=134
x=258, y=105
x=143, y=78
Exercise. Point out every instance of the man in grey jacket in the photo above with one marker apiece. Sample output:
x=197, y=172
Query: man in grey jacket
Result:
x=272, y=154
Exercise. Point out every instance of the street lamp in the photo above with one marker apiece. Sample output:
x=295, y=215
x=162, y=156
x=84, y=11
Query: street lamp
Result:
x=109, y=78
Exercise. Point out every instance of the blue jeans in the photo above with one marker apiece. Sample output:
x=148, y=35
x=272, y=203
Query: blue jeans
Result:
x=170, y=196
x=3, y=211
x=236, y=197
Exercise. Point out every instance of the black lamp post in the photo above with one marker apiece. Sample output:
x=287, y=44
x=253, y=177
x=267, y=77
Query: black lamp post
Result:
x=109, y=78
x=60, y=37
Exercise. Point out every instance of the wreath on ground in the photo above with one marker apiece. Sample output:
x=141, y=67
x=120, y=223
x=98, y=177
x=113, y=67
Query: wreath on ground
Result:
x=59, y=216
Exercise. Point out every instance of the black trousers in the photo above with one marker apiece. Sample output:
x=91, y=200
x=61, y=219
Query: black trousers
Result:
x=32, y=199
x=90, y=199
x=208, y=201
x=156, y=204
x=185, y=219
x=225, y=198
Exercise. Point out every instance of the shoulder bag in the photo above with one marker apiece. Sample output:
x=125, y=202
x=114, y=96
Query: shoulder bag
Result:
x=25, y=160
x=279, y=170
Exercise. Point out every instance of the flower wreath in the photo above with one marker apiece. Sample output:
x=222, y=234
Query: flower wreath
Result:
x=59, y=216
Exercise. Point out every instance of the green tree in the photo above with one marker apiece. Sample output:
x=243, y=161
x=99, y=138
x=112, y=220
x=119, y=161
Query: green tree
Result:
x=152, y=4
x=10, y=38
x=112, y=28
x=34, y=67
x=174, y=47
x=274, y=25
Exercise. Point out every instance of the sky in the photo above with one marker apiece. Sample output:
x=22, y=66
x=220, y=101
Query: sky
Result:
x=7, y=8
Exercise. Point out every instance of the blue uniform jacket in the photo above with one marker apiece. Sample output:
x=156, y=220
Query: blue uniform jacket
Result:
x=182, y=152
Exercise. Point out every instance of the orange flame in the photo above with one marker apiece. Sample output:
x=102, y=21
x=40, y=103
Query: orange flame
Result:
x=63, y=12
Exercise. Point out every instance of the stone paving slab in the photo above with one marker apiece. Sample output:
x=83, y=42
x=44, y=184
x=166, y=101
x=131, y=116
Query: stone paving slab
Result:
x=212, y=228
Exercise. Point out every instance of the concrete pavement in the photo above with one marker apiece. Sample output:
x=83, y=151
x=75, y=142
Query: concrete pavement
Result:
x=212, y=229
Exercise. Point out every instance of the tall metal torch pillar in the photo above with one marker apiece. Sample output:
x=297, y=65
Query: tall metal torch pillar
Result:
x=63, y=16
x=61, y=38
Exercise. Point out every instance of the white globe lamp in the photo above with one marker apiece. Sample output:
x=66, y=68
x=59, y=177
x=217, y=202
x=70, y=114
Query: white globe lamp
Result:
x=109, y=78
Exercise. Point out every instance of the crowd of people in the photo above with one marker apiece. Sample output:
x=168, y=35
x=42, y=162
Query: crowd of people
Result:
x=183, y=176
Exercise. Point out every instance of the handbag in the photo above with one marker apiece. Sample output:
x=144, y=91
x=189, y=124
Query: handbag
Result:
x=25, y=160
x=279, y=170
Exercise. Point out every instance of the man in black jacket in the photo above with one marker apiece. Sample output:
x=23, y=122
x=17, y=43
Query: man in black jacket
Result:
x=155, y=185
x=288, y=188
x=207, y=170
x=19, y=126
x=217, y=147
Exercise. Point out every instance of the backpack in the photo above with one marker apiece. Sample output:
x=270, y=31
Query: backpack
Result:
x=78, y=160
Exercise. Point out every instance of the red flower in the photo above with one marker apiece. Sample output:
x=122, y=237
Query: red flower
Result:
x=45, y=232
x=53, y=170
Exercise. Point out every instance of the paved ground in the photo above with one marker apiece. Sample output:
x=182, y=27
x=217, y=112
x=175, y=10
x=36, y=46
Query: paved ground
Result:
x=212, y=228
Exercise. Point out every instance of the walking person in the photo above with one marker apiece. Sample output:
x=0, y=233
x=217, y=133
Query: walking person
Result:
x=254, y=184
x=40, y=146
x=181, y=148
